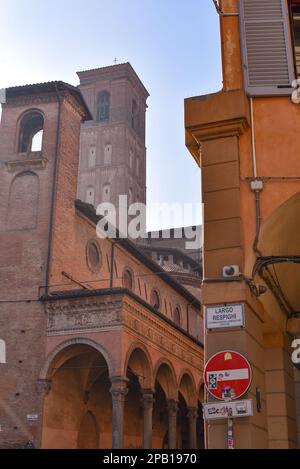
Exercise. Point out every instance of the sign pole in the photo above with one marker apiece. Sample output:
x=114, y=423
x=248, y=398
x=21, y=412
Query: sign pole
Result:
x=227, y=376
x=230, y=444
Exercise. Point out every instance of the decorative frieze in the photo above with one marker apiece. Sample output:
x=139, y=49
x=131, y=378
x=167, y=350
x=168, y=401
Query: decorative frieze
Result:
x=82, y=316
x=162, y=336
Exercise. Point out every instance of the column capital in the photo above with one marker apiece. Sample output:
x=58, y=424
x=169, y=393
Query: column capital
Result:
x=172, y=407
x=192, y=412
x=118, y=390
x=119, y=387
x=147, y=398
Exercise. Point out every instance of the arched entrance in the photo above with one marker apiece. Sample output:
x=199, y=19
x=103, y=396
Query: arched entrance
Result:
x=277, y=268
x=166, y=407
x=138, y=411
x=77, y=410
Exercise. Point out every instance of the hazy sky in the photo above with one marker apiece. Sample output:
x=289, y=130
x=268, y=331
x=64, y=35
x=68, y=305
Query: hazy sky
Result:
x=173, y=45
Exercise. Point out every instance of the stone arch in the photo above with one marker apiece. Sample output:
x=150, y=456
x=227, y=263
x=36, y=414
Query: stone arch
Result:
x=23, y=200
x=187, y=387
x=201, y=391
x=44, y=373
x=139, y=360
x=165, y=374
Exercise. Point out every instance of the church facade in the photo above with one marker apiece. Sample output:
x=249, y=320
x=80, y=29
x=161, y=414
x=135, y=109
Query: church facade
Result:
x=103, y=348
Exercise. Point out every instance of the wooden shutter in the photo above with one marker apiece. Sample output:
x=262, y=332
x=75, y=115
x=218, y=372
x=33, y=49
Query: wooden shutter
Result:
x=266, y=47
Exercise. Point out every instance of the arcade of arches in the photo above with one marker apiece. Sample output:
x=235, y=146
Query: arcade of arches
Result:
x=87, y=406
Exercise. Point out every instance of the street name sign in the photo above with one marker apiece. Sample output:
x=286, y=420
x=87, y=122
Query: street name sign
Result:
x=225, y=316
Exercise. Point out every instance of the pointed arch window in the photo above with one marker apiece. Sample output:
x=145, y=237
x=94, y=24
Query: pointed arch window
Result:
x=128, y=279
x=103, y=106
x=90, y=195
x=177, y=316
x=155, y=300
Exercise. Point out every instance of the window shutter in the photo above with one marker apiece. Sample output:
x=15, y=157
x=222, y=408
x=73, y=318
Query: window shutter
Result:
x=266, y=47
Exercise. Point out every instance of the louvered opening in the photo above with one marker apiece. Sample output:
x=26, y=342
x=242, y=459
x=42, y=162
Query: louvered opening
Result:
x=267, y=54
x=296, y=34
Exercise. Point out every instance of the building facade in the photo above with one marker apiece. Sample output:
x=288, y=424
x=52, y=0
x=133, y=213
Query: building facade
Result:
x=99, y=346
x=246, y=140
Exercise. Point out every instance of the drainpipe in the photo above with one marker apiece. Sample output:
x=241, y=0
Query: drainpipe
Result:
x=256, y=184
x=54, y=177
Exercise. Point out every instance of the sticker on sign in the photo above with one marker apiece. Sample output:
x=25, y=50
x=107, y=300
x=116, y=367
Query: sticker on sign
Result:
x=224, y=410
x=225, y=316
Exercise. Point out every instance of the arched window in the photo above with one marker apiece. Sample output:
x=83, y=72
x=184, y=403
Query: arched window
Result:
x=31, y=132
x=106, y=193
x=155, y=300
x=128, y=279
x=107, y=153
x=103, y=106
x=177, y=316
x=92, y=157
x=90, y=195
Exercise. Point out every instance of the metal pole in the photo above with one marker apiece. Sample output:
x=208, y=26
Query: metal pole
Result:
x=230, y=444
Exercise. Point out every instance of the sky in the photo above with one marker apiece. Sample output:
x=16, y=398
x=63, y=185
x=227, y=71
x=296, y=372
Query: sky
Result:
x=173, y=45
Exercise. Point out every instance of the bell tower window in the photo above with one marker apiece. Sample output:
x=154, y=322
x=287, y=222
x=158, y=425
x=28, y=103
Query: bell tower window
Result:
x=31, y=132
x=103, y=106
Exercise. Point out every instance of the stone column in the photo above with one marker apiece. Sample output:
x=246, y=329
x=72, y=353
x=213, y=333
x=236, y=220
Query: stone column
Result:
x=192, y=418
x=147, y=401
x=118, y=391
x=172, y=420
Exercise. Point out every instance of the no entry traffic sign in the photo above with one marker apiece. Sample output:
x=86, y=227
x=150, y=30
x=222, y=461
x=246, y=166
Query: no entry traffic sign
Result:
x=227, y=375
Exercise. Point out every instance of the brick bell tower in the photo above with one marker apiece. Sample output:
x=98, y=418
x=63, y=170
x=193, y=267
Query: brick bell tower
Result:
x=39, y=147
x=113, y=151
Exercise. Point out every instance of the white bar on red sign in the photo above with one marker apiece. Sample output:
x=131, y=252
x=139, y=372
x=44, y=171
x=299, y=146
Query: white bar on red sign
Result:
x=230, y=375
